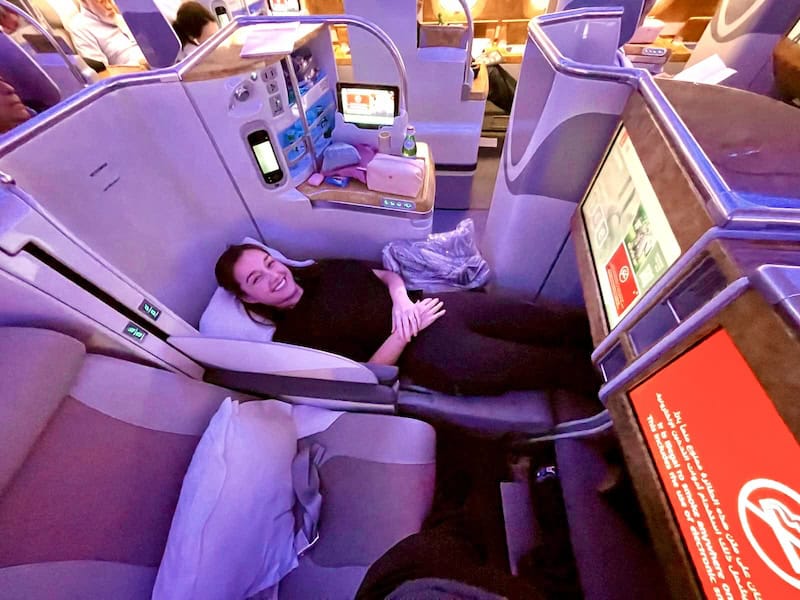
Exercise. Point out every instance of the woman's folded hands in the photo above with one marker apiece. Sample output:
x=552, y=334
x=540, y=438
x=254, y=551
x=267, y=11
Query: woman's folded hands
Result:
x=410, y=318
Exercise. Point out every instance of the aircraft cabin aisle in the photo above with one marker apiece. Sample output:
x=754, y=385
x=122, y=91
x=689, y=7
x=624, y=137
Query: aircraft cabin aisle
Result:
x=604, y=403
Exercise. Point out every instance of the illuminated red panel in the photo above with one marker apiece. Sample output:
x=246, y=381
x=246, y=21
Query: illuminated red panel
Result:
x=730, y=468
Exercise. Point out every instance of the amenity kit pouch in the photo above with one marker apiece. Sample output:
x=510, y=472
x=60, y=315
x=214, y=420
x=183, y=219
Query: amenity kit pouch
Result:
x=395, y=175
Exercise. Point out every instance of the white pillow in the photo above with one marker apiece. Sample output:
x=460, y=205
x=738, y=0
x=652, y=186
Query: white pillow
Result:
x=226, y=317
x=232, y=534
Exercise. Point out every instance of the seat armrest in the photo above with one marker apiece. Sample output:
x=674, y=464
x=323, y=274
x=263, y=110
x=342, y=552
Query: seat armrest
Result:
x=265, y=384
x=386, y=374
x=270, y=357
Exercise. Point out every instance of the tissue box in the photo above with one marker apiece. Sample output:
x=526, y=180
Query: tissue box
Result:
x=395, y=175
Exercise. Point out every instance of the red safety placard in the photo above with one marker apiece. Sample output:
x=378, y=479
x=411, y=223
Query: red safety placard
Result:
x=730, y=468
x=620, y=276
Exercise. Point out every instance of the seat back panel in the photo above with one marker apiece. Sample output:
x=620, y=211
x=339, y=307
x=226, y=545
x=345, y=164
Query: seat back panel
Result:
x=93, y=488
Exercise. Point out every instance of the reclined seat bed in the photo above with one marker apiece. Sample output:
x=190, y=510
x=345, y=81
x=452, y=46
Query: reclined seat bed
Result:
x=94, y=455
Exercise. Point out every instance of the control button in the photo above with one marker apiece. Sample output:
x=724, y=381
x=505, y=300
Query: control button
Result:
x=272, y=87
x=241, y=93
x=276, y=105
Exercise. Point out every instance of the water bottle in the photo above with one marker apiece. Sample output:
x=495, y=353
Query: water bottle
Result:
x=410, y=142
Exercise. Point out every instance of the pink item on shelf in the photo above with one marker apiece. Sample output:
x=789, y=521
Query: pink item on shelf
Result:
x=315, y=179
x=396, y=175
x=359, y=171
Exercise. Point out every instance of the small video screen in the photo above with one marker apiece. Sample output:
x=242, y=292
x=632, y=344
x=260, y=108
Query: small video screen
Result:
x=368, y=106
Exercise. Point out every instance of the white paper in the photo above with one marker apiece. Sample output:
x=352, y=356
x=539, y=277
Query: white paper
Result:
x=270, y=39
x=479, y=45
x=709, y=70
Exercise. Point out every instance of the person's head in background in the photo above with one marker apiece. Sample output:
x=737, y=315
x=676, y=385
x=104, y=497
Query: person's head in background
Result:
x=12, y=110
x=194, y=24
x=105, y=10
x=9, y=21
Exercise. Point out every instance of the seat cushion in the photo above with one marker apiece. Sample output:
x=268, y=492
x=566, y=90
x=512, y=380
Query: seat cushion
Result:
x=377, y=482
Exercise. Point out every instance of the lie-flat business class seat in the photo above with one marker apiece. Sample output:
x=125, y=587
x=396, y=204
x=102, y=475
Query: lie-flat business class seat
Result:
x=95, y=450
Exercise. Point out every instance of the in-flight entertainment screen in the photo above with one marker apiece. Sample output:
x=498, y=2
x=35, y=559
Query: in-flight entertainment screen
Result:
x=630, y=238
x=728, y=464
x=368, y=106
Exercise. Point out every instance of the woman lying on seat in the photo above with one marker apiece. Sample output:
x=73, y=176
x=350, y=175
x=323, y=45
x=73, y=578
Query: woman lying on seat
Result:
x=459, y=343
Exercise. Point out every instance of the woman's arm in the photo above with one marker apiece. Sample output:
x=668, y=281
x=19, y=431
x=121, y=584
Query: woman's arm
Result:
x=390, y=350
x=404, y=315
x=429, y=310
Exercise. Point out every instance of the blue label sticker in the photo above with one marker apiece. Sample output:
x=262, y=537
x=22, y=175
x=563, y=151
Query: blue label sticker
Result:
x=150, y=310
x=134, y=331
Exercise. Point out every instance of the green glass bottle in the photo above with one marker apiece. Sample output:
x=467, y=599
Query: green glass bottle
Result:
x=410, y=142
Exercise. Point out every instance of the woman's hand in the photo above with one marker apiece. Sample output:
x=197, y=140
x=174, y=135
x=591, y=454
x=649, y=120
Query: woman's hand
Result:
x=405, y=318
x=428, y=311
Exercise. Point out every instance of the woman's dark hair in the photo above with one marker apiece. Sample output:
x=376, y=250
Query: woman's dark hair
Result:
x=224, y=274
x=190, y=20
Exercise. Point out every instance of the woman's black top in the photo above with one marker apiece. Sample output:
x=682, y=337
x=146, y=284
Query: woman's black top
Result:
x=484, y=344
x=344, y=309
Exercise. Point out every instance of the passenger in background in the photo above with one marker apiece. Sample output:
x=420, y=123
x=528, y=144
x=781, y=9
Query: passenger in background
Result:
x=9, y=22
x=502, y=86
x=101, y=36
x=194, y=24
x=12, y=110
x=483, y=345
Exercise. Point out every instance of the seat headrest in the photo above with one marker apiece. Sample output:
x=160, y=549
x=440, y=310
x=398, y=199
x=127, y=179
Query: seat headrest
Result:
x=631, y=19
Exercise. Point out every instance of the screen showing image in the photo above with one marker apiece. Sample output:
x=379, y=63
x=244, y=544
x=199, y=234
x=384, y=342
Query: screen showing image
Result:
x=265, y=155
x=630, y=238
x=222, y=17
x=368, y=106
x=727, y=462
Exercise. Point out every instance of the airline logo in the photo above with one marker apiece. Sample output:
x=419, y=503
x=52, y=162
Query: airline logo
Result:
x=770, y=515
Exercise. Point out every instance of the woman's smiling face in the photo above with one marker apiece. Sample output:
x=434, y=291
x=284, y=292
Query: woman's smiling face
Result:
x=264, y=280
